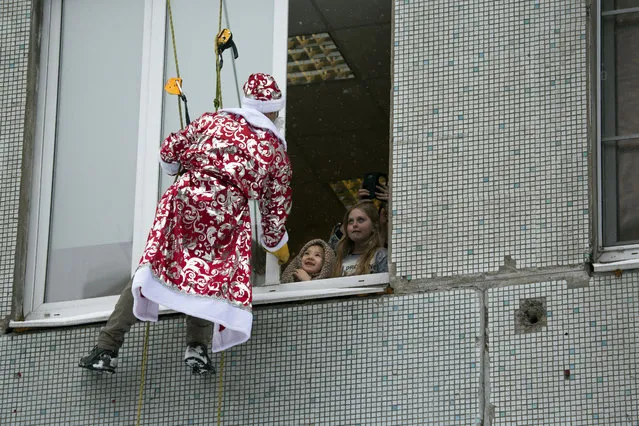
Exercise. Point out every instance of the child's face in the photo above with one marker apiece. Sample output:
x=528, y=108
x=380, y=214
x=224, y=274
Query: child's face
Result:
x=313, y=259
x=359, y=227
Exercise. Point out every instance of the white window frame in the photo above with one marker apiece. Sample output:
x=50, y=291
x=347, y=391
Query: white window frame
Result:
x=147, y=167
x=621, y=256
x=40, y=314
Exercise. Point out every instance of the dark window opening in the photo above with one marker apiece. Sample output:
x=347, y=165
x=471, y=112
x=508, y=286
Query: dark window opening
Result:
x=338, y=107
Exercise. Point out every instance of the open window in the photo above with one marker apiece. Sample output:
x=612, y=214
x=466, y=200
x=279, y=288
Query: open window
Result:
x=337, y=114
x=101, y=114
x=617, y=134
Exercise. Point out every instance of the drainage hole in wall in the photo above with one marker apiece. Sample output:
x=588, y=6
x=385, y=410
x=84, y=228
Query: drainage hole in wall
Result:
x=531, y=315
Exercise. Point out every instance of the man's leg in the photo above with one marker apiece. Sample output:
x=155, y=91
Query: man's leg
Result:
x=104, y=356
x=198, y=339
x=198, y=330
x=119, y=323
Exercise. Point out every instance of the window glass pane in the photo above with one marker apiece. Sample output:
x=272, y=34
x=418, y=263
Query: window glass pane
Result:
x=95, y=153
x=620, y=75
x=619, y=122
x=628, y=190
x=608, y=5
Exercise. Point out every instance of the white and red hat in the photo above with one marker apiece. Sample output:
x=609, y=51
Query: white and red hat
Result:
x=262, y=93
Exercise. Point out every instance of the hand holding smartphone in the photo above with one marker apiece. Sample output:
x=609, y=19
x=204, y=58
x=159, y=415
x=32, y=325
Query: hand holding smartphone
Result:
x=371, y=181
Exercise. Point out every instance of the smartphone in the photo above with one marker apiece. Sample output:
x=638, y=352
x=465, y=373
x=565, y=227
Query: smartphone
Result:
x=371, y=180
x=337, y=231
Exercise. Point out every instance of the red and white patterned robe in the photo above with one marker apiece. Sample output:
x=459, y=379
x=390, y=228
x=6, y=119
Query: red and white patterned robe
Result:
x=197, y=258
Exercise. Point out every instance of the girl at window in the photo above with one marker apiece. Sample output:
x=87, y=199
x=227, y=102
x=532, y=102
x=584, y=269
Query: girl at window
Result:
x=315, y=261
x=380, y=198
x=361, y=251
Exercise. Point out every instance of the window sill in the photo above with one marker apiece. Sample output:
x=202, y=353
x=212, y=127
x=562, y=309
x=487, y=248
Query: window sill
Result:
x=616, y=265
x=63, y=314
x=616, y=258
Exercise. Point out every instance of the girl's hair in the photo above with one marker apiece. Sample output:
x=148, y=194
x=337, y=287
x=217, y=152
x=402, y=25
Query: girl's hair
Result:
x=345, y=245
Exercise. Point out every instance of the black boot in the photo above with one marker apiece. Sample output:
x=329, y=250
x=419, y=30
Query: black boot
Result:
x=102, y=360
x=196, y=356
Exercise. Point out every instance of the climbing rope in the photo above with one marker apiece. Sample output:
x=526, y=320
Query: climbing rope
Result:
x=145, y=351
x=217, y=102
x=175, y=57
x=145, y=347
x=220, y=387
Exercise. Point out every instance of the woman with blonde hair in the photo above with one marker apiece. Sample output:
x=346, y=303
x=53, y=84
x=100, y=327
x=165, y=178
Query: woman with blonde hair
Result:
x=361, y=250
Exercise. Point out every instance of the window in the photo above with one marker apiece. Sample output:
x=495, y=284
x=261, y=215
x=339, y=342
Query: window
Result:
x=81, y=96
x=101, y=114
x=618, y=130
x=337, y=114
x=338, y=107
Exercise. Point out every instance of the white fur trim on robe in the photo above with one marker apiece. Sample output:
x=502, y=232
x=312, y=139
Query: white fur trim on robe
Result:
x=279, y=245
x=170, y=169
x=237, y=322
x=264, y=106
x=257, y=119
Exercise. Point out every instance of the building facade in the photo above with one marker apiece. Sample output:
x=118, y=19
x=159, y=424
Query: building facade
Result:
x=505, y=309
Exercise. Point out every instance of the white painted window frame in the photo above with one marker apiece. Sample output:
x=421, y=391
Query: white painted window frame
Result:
x=147, y=167
x=40, y=314
x=33, y=296
x=611, y=257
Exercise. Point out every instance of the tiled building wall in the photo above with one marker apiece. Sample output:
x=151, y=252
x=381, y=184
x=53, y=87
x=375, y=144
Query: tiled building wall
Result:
x=490, y=170
x=499, y=170
x=14, y=43
x=490, y=156
x=579, y=369
x=395, y=360
x=387, y=361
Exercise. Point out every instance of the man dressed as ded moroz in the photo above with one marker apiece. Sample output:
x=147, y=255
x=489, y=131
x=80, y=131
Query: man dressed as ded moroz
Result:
x=197, y=258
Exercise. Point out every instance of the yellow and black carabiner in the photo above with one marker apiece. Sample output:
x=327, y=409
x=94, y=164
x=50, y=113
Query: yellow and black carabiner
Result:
x=224, y=40
x=174, y=87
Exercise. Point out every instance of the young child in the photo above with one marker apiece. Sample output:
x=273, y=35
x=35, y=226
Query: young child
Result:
x=361, y=251
x=315, y=261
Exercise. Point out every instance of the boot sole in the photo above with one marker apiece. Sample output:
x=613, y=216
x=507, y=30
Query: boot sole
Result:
x=97, y=369
x=198, y=367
